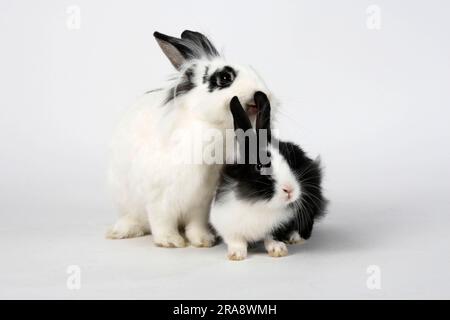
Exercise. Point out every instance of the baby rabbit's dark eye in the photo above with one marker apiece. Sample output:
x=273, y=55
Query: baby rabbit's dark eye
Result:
x=258, y=167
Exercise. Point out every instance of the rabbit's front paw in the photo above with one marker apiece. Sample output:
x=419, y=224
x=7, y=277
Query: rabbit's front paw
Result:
x=237, y=254
x=295, y=238
x=276, y=248
x=170, y=240
x=200, y=238
x=126, y=227
x=237, y=250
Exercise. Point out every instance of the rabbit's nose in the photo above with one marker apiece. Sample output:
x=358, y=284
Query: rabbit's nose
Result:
x=288, y=189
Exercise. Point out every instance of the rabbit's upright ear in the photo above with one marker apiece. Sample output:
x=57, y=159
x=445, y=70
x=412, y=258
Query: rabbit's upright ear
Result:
x=201, y=42
x=246, y=137
x=263, y=115
x=175, y=49
x=240, y=117
x=192, y=45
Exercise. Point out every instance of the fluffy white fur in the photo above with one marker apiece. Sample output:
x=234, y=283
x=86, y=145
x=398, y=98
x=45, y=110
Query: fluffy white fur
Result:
x=240, y=221
x=154, y=192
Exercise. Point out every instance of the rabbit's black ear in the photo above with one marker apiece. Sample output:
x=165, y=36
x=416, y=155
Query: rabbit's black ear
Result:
x=201, y=42
x=175, y=49
x=263, y=107
x=240, y=117
x=247, y=140
x=262, y=126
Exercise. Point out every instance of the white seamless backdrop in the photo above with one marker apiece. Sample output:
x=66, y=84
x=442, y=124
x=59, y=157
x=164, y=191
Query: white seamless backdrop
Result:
x=374, y=103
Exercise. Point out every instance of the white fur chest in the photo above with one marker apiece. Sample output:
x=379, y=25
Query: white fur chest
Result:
x=234, y=218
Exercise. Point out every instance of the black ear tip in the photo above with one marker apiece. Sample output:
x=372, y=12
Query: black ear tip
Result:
x=261, y=96
x=186, y=33
x=235, y=104
x=235, y=100
x=161, y=36
x=261, y=100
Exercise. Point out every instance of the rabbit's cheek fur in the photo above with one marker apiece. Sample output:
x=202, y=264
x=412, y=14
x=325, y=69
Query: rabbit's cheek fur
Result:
x=287, y=187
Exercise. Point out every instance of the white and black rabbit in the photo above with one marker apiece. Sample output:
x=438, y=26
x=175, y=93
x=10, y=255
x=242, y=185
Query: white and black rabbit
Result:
x=275, y=200
x=153, y=190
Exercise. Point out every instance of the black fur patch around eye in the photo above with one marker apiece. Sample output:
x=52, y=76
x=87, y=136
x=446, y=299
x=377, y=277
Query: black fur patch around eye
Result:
x=184, y=86
x=222, y=78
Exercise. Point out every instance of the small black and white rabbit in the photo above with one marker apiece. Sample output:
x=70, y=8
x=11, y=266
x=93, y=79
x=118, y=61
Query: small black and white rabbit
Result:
x=251, y=205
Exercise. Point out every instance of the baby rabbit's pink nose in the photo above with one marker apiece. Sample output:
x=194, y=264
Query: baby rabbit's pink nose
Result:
x=288, y=189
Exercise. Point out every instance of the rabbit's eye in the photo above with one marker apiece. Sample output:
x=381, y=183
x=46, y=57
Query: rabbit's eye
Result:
x=222, y=78
x=263, y=168
x=225, y=77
